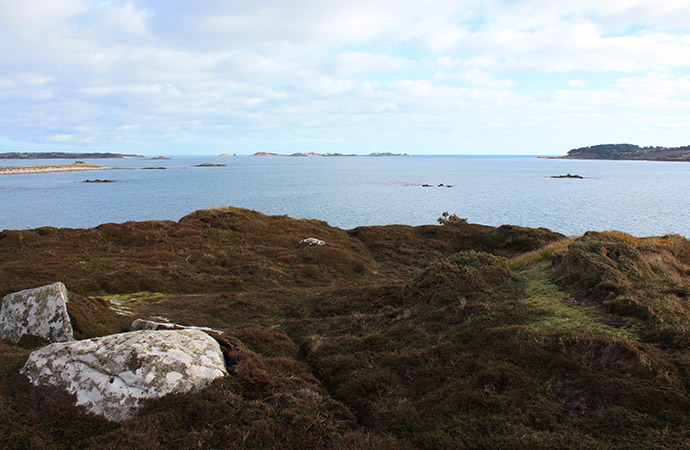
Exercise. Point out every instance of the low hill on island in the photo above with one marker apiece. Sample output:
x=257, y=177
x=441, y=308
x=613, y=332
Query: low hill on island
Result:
x=630, y=152
x=454, y=335
x=61, y=155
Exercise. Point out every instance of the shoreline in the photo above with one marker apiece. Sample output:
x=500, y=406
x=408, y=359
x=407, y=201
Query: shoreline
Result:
x=567, y=158
x=23, y=170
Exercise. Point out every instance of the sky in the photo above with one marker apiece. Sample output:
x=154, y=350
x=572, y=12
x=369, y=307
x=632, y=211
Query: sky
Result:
x=180, y=77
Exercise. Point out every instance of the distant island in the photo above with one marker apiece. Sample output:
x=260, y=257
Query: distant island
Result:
x=60, y=155
x=630, y=152
x=328, y=154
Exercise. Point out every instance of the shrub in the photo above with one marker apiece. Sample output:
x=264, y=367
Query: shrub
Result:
x=452, y=219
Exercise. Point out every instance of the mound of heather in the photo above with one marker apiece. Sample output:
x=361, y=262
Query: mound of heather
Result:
x=404, y=247
x=206, y=251
x=465, y=274
x=646, y=281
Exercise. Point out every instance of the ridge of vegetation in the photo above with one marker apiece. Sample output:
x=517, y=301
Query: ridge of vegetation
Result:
x=442, y=336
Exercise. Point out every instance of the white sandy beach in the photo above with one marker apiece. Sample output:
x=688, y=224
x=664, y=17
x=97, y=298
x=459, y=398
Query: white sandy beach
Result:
x=20, y=170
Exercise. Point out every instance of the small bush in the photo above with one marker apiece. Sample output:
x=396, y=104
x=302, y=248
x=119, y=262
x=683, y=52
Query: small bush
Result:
x=452, y=219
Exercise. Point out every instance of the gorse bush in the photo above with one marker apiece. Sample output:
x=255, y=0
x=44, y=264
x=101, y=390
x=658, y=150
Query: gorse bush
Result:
x=451, y=219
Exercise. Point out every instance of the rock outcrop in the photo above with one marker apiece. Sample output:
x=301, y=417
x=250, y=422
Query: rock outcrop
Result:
x=141, y=324
x=111, y=375
x=40, y=312
x=312, y=241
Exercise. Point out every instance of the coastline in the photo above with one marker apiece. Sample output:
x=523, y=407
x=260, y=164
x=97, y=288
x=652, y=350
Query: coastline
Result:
x=570, y=158
x=23, y=170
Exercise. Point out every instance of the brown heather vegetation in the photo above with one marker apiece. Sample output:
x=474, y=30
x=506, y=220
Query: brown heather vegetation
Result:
x=452, y=336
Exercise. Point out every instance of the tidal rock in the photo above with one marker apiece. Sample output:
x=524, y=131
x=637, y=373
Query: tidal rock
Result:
x=40, y=312
x=579, y=177
x=111, y=375
x=141, y=324
x=312, y=241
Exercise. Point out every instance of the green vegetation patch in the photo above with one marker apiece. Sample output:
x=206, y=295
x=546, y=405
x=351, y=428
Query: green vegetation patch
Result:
x=643, y=281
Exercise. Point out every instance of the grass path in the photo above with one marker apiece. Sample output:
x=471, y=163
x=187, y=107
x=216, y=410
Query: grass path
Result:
x=561, y=310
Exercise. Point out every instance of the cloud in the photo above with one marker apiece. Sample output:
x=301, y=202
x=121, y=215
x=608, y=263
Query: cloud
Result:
x=128, y=127
x=62, y=137
x=144, y=73
x=353, y=63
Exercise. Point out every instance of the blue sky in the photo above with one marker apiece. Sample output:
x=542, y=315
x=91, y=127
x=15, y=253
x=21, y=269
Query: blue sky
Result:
x=436, y=77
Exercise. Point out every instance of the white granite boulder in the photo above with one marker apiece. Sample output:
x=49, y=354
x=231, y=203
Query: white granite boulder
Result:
x=141, y=324
x=38, y=312
x=312, y=241
x=112, y=374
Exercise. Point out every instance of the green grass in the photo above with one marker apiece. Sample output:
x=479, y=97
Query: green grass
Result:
x=561, y=311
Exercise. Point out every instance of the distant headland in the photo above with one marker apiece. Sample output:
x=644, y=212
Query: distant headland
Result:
x=61, y=155
x=328, y=154
x=629, y=152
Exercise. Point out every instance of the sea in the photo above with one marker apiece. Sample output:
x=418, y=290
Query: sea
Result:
x=638, y=197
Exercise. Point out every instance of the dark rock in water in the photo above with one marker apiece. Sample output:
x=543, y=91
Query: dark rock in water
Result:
x=209, y=165
x=98, y=181
x=567, y=176
x=438, y=185
x=160, y=157
x=154, y=168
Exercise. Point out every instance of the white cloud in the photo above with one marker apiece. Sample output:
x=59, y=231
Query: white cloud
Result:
x=23, y=15
x=145, y=71
x=353, y=63
x=62, y=137
x=133, y=127
x=476, y=77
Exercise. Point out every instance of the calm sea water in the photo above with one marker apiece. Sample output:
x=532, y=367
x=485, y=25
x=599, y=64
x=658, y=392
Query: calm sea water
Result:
x=641, y=198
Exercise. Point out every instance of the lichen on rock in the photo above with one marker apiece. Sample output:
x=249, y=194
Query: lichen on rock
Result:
x=141, y=324
x=111, y=375
x=40, y=312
